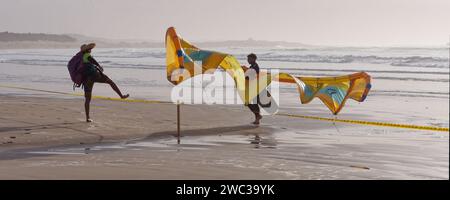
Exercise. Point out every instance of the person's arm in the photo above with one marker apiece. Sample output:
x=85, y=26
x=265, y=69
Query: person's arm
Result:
x=257, y=69
x=92, y=60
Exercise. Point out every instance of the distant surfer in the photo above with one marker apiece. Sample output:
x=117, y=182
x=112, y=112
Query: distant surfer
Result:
x=94, y=74
x=251, y=58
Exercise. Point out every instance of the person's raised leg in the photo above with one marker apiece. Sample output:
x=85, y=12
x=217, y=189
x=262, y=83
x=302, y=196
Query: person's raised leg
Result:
x=116, y=89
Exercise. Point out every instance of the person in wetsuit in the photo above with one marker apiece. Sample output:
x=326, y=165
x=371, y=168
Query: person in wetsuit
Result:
x=251, y=59
x=94, y=74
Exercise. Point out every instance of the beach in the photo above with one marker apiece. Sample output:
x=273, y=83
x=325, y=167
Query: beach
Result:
x=47, y=138
x=43, y=133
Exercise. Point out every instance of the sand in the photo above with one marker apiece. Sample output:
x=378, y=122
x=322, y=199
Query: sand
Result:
x=47, y=138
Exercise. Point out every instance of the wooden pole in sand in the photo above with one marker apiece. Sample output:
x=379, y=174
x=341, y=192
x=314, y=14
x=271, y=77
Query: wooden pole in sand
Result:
x=178, y=121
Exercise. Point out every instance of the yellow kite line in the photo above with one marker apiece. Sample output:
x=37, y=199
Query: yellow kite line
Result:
x=94, y=97
x=408, y=126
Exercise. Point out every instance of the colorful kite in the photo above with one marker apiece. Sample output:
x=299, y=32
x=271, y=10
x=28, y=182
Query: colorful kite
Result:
x=332, y=91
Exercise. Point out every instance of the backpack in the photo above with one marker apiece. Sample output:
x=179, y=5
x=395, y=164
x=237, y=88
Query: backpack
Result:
x=76, y=69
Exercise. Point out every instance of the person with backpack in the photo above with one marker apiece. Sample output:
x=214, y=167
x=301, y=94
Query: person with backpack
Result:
x=92, y=73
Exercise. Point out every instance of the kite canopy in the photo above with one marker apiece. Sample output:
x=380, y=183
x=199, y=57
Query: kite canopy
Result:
x=332, y=91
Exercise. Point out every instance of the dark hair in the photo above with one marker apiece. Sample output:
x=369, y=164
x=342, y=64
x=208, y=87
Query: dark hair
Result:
x=252, y=55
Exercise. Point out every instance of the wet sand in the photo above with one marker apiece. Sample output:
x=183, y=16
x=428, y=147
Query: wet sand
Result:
x=47, y=138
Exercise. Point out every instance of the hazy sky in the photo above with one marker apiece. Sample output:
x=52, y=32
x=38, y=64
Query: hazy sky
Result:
x=326, y=22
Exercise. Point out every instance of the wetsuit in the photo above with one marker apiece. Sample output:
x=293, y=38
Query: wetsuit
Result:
x=254, y=105
x=92, y=73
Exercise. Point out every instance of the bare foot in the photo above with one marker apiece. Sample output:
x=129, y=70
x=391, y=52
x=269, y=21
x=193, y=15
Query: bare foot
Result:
x=125, y=96
x=258, y=117
x=89, y=120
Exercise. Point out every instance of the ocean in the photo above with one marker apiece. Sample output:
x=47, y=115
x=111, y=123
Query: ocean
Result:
x=396, y=71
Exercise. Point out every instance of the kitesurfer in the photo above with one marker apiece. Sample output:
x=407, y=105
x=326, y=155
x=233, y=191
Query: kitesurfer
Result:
x=94, y=74
x=251, y=59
